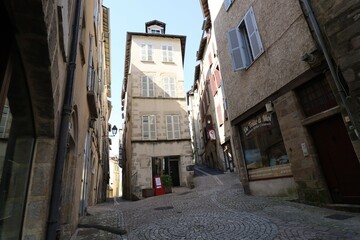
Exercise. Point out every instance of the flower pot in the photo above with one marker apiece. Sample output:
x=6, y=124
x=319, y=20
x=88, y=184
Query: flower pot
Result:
x=168, y=189
x=148, y=192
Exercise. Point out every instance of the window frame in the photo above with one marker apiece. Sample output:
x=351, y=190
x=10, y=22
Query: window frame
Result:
x=244, y=42
x=172, y=129
x=167, y=54
x=148, y=89
x=169, y=92
x=146, y=53
x=150, y=122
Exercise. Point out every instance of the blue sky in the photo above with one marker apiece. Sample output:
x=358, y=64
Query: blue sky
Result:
x=182, y=17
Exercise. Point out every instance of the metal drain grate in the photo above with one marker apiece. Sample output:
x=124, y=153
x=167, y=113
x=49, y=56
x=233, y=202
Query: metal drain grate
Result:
x=339, y=216
x=164, y=208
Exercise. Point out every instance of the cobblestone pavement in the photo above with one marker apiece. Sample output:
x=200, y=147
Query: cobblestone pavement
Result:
x=217, y=208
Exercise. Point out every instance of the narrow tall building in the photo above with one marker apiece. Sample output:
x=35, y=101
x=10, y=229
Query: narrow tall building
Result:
x=156, y=131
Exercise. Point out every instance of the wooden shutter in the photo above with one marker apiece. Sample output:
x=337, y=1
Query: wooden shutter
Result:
x=164, y=53
x=227, y=4
x=253, y=33
x=144, y=86
x=149, y=53
x=170, y=53
x=145, y=127
x=169, y=127
x=151, y=92
x=234, y=42
x=217, y=77
x=90, y=63
x=176, y=127
x=152, y=127
x=213, y=84
x=143, y=52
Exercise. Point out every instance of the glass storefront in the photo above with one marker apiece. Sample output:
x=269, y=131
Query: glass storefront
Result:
x=263, y=146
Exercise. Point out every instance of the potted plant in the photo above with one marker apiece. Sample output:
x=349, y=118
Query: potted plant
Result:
x=167, y=183
x=148, y=192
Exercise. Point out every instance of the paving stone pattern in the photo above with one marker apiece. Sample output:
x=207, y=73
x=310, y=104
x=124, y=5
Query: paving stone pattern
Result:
x=217, y=208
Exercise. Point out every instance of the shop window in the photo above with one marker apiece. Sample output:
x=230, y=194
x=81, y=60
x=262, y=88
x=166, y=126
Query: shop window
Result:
x=262, y=142
x=316, y=96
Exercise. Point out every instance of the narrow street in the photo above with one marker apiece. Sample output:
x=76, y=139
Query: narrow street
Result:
x=216, y=208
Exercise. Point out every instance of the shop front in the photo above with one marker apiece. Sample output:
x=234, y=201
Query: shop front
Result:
x=265, y=157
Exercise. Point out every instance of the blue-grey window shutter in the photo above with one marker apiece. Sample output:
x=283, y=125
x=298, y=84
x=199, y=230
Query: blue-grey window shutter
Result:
x=234, y=41
x=227, y=4
x=253, y=33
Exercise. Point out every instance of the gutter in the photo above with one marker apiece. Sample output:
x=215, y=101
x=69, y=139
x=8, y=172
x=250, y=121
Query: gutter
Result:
x=345, y=98
x=54, y=211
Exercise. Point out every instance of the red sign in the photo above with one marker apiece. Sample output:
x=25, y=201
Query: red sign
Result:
x=159, y=189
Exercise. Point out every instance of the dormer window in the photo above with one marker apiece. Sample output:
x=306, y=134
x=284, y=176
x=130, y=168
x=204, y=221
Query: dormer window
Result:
x=155, y=27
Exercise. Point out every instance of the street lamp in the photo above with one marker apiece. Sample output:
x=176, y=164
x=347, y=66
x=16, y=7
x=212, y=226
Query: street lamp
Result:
x=114, y=130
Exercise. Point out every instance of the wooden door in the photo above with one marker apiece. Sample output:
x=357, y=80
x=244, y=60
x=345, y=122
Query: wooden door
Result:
x=339, y=162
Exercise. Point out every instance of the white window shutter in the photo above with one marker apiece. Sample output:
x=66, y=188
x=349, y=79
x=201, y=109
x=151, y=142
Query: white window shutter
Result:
x=176, y=127
x=149, y=57
x=172, y=87
x=164, y=53
x=144, y=86
x=170, y=57
x=151, y=87
x=143, y=52
x=253, y=33
x=145, y=127
x=169, y=127
x=234, y=42
x=152, y=127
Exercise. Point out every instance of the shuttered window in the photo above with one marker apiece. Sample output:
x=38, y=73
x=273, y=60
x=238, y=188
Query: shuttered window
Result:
x=244, y=42
x=167, y=53
x=169, y=87
x=149, y=127
x=173, y=126
x=147, y=86
x=146, y=52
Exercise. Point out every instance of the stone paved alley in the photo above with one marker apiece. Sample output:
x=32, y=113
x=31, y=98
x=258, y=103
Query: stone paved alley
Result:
x=217, y=208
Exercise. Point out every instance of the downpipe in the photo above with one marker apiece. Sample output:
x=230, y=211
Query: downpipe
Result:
x=55, y=204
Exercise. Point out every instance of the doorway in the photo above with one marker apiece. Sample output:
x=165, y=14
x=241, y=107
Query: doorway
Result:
x=337, y=157
x=167, y=165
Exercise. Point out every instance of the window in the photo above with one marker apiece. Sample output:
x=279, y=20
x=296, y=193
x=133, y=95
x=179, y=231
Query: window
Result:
x=169, y=87
x=146, y=52
x=148, y=127
x=173, y=127
x=227, y=4
x=147, y=87
x=167, y=53
x=262, y=142
x=244, y=42
x=316, y=96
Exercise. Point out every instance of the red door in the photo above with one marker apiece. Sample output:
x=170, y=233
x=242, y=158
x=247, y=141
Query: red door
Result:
x=338, y=159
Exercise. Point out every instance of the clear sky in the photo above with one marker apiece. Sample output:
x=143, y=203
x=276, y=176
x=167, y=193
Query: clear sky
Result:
x=182, y=17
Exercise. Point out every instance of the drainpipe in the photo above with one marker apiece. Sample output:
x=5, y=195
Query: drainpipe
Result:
x=320, y=40
x=54, y=213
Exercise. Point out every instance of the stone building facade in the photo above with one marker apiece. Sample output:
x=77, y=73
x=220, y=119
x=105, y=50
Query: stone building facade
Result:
x=55, y=84
x=156, y=132
x=283, y=99
x=212, y=131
